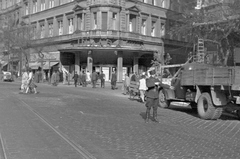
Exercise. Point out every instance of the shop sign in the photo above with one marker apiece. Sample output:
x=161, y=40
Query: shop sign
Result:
x=54, y=56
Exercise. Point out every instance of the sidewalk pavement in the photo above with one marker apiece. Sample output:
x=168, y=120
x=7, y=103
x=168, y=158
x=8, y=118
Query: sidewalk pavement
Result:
x=98, y=85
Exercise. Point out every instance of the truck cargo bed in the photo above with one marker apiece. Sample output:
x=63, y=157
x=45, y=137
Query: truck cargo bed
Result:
x=211, y=76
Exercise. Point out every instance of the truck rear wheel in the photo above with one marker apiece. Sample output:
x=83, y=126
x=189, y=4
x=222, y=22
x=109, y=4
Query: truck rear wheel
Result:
x=206, y=109
x=163, y=102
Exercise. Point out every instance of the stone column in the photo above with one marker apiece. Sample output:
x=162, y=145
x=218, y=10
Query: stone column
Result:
x=89, y=62
x=77, y=62
x=119, y=66
x=128, y=20
x=135, y=62
x=65, y=24
x=149, y=25
x=55, y=27
x=46, y=34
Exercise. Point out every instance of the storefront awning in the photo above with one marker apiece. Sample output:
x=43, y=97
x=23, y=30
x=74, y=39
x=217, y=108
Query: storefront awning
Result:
x=46, y=65
x=34, y=65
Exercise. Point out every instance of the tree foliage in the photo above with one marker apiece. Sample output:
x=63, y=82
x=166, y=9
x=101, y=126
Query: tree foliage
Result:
x=15, y=40
x=217, y=22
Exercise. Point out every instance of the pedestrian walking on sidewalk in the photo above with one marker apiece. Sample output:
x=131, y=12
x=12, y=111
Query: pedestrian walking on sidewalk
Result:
x=153, y=85
x=88, y=77
x=142, y=88
x=94, y=79
x=31, y=85
x=84, y=79
x=24, y=81
x=102, y=78
x=54, y=78
x=75, y=78
x=114, y=81
x=126, y=84
x=80, y=79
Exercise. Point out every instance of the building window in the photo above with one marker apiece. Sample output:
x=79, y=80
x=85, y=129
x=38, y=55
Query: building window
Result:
x=34, y=32
x=164, y=4
x=162, y=30
x=60, y=2
x=144, y=1
x=143, y=27
x=34, y=6
x=42, y=33
x=154, y=2
x=50, y=29
x=42, y=5
x=70, y=26
x=80, y=23
x=51, y=3
x=26, y=9
x=153, y=28
x=10, y=3
x=132, y=23
x=60, y=27
x=95, y=20
x=105, y=21
x=114, y=21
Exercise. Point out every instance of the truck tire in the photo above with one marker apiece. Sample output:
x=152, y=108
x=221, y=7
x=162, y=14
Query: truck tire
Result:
x=206, y=109
x=163, y=102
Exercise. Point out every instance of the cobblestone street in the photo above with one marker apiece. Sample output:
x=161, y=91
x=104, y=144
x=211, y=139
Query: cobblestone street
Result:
x=105, y=124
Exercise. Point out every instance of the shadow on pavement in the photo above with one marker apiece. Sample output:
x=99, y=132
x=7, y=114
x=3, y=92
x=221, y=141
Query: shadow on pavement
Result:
x=193, y=112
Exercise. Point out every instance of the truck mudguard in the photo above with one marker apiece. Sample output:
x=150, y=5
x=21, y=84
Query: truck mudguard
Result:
x=169, y=94
x=198, y=94
x=218, y=97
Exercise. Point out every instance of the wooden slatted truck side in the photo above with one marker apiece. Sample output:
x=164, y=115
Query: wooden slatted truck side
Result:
x=209, y=89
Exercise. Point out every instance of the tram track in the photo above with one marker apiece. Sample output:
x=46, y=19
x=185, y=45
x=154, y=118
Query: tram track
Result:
x=83, y=153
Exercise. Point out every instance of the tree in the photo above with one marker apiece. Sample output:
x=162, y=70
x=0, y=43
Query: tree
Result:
x=18, y=40
x=216, y=22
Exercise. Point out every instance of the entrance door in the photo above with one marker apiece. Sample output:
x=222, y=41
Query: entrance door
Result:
x=106, y=71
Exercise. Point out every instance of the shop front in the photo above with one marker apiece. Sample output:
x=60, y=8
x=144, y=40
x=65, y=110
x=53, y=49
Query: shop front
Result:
x=122, y=60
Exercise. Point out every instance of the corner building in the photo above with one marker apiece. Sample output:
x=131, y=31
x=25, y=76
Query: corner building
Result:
x=105, y=35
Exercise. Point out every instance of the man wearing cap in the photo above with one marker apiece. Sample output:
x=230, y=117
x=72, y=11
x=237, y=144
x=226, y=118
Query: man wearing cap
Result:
x=152, y=101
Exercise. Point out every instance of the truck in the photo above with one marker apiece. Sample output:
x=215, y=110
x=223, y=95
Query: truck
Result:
x=207, y=88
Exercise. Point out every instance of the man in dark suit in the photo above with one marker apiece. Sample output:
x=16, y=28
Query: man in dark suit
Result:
x=102, y=78
x=75, y=77
x=152, y=101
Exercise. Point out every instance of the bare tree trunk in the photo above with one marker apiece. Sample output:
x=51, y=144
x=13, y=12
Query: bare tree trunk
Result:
x=226, y=58
x=226, y=55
